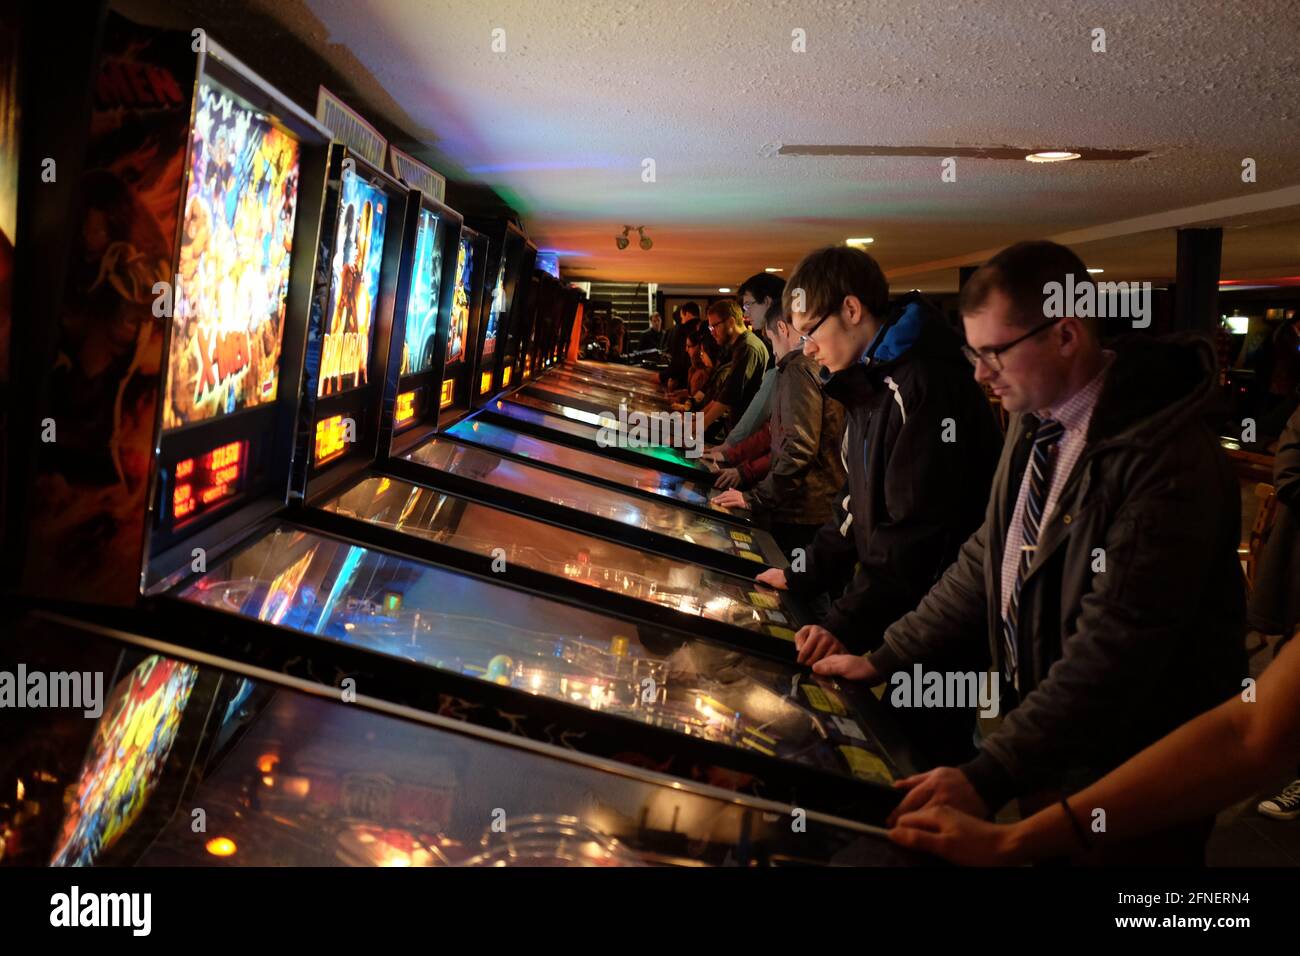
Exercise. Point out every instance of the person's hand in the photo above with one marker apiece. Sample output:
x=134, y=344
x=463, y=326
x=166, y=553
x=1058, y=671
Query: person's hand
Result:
x=727, y=478
x=942, y=786
x=850, y=667
x=956, y=836
x=773, y=578
x=716, y=453
x=731, y=498
x=815, y=642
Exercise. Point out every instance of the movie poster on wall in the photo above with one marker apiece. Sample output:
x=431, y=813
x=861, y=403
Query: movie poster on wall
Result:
x=422, y=306
x=228, y=315
x=102, y=390
x=354, y=285
x=494, y=311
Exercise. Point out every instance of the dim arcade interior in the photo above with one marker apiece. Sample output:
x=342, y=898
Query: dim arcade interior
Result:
x=303, y=459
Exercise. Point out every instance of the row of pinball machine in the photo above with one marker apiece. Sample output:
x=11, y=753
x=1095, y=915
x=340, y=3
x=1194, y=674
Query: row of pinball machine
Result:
x=332, y=561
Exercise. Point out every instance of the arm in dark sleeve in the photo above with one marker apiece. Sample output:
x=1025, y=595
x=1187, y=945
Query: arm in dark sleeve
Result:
x=1286, y=466
x=927, y=511
x=830, y=556
x=755, y=470
x=947, y=619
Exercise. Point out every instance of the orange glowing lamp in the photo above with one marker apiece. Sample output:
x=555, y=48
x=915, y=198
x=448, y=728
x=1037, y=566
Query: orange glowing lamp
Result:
x=331, y=439
x=221, y=846
x=405, y=410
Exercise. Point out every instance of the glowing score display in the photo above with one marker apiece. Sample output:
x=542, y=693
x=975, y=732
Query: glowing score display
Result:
x=485, y=382
x=405, y=410
x=204, y=482
x=332, y=437
x=448, y=392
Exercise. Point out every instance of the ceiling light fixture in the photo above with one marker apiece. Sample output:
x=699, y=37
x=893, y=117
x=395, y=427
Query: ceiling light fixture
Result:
x=724, y=289
x=1095, y=271
x=859, y=241
x=1052, y=156
x=773, y=269
x=623, y=240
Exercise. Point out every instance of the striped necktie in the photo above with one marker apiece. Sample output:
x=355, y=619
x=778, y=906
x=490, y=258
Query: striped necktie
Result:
x=1040, y=480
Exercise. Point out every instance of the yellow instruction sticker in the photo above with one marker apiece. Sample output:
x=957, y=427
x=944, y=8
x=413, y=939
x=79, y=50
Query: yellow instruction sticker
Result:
x=866, y=765
x=782, y=632
x=824, y=701
x=751, y=555
x=741, y=537
x=768, y=601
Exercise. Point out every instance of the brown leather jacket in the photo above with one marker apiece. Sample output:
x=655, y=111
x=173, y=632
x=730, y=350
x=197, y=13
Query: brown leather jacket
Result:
x=805, y=470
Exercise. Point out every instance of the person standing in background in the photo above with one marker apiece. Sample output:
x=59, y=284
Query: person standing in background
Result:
x=1275, y=601
x=674, y=377
x=652, y=339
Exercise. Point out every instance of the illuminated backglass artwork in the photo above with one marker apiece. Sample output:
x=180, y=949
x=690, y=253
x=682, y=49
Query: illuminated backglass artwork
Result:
x=422, y=306
x=354, y=285
x=132, y=742
x=494, y=311
x=460, y=303
x=228, y=306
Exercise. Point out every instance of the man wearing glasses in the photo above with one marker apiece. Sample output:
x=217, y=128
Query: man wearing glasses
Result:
x=920, y=446
x=1103, y=586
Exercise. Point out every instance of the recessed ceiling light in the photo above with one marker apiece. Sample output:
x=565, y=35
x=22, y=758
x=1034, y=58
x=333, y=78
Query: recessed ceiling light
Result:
x=859, y=241
x=773, y=269
x=724, y=289
x=1096, y=271
x=1051, y=156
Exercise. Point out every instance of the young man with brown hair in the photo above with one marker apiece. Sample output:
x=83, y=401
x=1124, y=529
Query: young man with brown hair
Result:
x=920, y=444
x=1104, y=584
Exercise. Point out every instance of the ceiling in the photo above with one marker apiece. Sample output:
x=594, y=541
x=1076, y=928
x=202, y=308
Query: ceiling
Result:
x=559, y=124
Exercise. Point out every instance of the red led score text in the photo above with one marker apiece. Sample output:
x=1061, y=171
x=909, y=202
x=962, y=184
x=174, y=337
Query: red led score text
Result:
x=208, y=480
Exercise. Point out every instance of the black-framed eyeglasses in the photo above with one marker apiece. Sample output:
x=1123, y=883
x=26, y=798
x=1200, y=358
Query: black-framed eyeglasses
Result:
x=992, y=355
x=806, y=337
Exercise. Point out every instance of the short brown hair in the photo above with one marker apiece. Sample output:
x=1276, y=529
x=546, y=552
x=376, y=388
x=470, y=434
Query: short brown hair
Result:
x=1020, y=272
x=827, y=276
x=728, y=309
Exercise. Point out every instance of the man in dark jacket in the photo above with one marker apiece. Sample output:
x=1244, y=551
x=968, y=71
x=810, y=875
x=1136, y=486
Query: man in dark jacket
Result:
x=1104, y=583
x=795, y=496
x=920, y=445
x=679, y=363
x=1275, y=600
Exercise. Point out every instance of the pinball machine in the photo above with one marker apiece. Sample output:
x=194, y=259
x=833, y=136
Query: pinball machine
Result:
x=208, y=528
x=508, y=264
x=213, y=763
